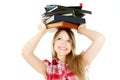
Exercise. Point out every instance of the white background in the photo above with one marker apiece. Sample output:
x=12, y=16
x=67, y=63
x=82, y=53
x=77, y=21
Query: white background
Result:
x=18, y=23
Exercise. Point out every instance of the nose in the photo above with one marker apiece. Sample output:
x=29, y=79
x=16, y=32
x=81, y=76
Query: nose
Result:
x=63, y=43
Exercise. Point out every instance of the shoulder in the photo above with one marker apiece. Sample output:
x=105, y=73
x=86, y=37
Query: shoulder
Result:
x=47, y=62
x=53, y=62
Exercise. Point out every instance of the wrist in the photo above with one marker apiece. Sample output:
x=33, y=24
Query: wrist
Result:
x=81, y=30
x=43, y=31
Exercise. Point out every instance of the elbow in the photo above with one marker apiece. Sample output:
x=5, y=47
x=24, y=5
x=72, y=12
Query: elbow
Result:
x=25, y=53
x=100, y=38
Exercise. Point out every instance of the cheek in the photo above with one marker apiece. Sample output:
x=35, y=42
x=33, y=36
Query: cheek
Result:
x=57, y=43
x=55, y=46
x=70, y=47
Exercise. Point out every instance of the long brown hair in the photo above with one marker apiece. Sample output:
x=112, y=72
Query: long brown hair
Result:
x=74, y=61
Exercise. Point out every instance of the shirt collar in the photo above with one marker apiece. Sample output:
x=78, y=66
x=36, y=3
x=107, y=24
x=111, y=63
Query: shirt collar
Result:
x=56, y=61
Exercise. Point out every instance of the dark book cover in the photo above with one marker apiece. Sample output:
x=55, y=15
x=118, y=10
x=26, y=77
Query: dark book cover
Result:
x=59, y=12
x=75, y=20
x=50, y=8
x=75, y=7
x=58, y=9
x=62, y=12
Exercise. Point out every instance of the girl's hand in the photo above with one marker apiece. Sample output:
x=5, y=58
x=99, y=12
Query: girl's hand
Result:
x=42, y=25
x=81, y=27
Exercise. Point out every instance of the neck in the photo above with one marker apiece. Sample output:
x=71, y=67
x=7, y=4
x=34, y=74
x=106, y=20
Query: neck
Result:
x=62, y=58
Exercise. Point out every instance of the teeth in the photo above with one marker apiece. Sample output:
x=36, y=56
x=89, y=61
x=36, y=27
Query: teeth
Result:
x=63, y=48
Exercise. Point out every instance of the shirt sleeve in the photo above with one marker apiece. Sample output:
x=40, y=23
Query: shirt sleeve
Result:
x=47, y=62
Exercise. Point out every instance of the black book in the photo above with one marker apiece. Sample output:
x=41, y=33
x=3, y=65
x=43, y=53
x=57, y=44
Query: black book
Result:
x=50, y=8
x=75, y=20
x=59, y=12
x=58, y=9
x=62, y=12
x=75, y=7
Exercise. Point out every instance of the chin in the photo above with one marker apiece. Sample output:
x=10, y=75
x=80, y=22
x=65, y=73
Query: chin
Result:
x=62, y=53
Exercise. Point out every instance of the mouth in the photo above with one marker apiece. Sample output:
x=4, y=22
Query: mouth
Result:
x=63, y=48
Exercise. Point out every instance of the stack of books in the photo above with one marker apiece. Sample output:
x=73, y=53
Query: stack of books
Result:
x=57, y=16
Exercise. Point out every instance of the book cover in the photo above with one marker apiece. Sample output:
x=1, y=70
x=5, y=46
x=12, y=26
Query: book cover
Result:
x=50, y=8
x=71, y=13
x=57, y=12
x=75, y=7
x=75, y=20
x=62, y=24
x=55, y=9
x=65, y=13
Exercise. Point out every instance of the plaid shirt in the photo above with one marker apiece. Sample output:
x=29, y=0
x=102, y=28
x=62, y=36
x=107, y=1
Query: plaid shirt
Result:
x=57, y=70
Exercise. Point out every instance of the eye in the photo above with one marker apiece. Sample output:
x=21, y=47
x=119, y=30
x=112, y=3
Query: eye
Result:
x=59, y=38
x=68, y=40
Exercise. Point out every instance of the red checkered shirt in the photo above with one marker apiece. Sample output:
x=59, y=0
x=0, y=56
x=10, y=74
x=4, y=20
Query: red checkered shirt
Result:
x=57, y=70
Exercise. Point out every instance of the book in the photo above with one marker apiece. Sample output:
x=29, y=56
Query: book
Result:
x=75, y=20
x=58, y=9
x=64, y=12
x=57, y=12
x=62, y=24
x=50, y=8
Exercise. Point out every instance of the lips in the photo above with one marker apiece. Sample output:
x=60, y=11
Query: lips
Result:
x=63, y=48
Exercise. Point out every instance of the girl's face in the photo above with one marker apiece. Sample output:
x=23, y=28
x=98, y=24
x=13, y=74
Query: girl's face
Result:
x=62, y=44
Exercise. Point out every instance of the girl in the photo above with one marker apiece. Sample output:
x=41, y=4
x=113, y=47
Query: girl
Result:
x=65, y=64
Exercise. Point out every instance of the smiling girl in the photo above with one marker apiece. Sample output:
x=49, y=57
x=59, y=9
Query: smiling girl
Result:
x=65, y=64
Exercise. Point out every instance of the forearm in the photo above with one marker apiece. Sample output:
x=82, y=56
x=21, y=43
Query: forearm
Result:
x=30, y=46
x=97, y=42
x=91, y=34
x=27, y=53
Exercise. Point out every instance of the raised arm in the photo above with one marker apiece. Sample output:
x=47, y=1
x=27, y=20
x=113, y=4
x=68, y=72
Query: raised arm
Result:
x=28, y=51
x=97, y=42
